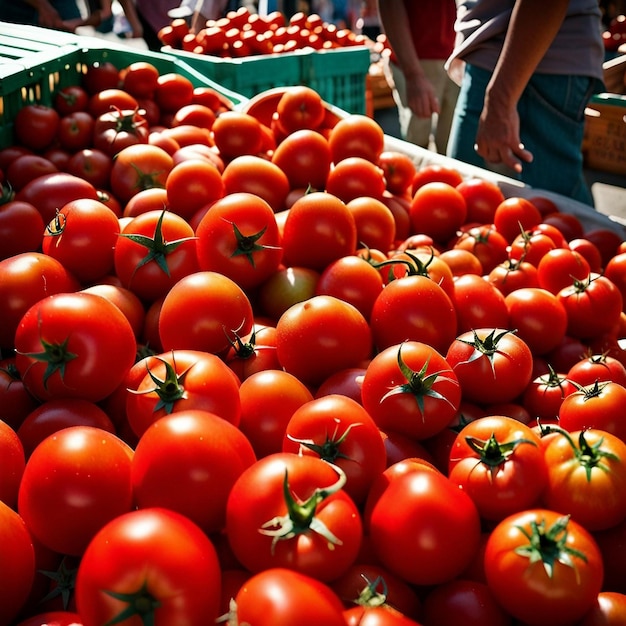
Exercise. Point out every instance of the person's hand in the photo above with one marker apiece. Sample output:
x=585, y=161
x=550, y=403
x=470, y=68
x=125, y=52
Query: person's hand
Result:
x=421, y=97
x=48, y=17
x=498, y=140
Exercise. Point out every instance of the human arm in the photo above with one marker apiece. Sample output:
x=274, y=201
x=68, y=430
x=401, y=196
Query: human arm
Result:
x=206, y=10
x=533, y=26
x=420, y=93
x=128, y=6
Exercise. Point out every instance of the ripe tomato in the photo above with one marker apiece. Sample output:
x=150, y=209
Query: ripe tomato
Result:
x=375, y=223
x=253, y=352
x=82, y=237
x=198, y=310
x=238, y=237
x=290, y=510
x=105, y=100
x=24, y=280
x=492, y=365
x=486, y=243
x=319, y=229
x=140, y=79
x=173, y=91
x=482, y=198
x=236, y=133
x=610, y=608
x=75, y=481
x=49, y=192
x=182, y=380
x=257, y=175
x=17, y=549
x=478, y=304
x=279, y=596
x=438, y=210
x=321, y=336
x=56, y=341
x=356, y=136
x=138, y=167
x=413, y=308
x=151, y=564
x=597, y=367
x=21, y=228
x=515, y=215
x=36, y=125
x=354, y=177
x=27, y=167
x=70, y=99
x=99, y=76
x=185, y=454
x=600, y=405
x=415, y=515
x=409, y=388
x=433, y=172
x=155, y=250
x=53, y=415
x=340, y=431
x=304, y=156
x=499, y=463
x=300, y=107
x=117, y=129
x=543, y=568
x=91, y=165
x=545, y=393
x=593, y=306
x=268, y=400
x=587, y=477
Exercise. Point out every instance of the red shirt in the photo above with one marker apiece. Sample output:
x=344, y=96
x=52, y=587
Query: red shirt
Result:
x=432, y=27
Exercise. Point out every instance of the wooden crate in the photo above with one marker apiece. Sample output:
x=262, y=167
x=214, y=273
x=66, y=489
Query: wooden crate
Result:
x=604, y=145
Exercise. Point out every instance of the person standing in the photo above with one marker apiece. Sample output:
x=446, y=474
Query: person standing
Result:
x=421, y=36
x=527, y=70
x=56, y=14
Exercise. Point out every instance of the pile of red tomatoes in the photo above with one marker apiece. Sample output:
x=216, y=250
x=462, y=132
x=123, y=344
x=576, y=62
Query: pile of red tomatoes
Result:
x=257, y=367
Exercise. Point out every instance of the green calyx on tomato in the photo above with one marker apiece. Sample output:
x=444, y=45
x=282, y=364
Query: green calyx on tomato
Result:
x=247, y=244
x=586, y=455
x=7, y=194
x=300, y=517
x=127, y=121
x=329, y=450
x=169, y=388
x=64, y=579
x=418, y=384
x=157, y=247
x=493, y=453
x=549, y=545
x=140, y=603
x=55, y=355
x=370, y=596
x=486, y=347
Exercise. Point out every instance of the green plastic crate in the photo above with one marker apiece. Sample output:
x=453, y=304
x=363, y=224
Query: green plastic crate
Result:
x=338, y=75
x=36, y=63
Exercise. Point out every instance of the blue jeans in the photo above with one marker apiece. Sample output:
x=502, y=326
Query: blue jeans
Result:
x=552, y=123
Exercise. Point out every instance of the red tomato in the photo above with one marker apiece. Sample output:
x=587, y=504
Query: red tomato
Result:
x=91, y=165
x=24, y=280
x=615, y=271
x=184, y=322
x=268, y=400
x=75, y=481
x=238, y=237
x=21, y=228
x=54, y=415
x=70, y=99
x=321, y=336
x=399, y=170
x=375, y=223
x=354, y=177
x=356, y=136
x=236, y=133
x=482, y=198
x=304, y=156
x=138, y=167
x=82, y=237
x=49, y=192
x=278, y=596
x=300, y=107
x=13, y=462
x=499, y=463
x=117, y=129
x=597, y=367
x=17, y=549
x=414, y=514
x=600, y=405
x=340, y=431
x=319, y=229
x=409, y=388
x=105, y=100
x=140, y=79
x=257, y=175
x=186, y=453
x=56, y=341
x=544, y=395
x=290, y=510
x=99, y=76
x=149, y=564
x=36, y=125
x=492, y=365
x=543, y=568
x=514, y=216
x=155, y=250
x=609, y=610
x=478, y=304
x=486, y=243
x=413, y=308
x=438, y=210
x=436, y=173
x=27, y=167
x=173, y=91
x=593, y=306
x=53, y=618
x=560, y=267
x=587, y=477
x=183, y=380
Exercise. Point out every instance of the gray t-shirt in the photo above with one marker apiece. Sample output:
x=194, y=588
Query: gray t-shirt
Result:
x=481, y=27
